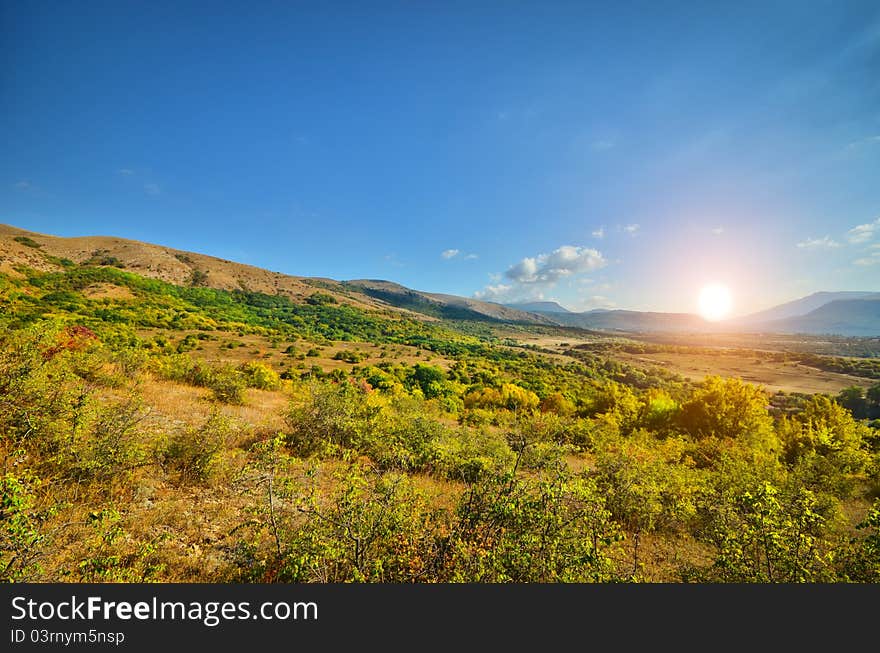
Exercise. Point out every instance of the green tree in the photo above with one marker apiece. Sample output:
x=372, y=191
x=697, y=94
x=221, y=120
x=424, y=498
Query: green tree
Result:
x=729, y=408
x=854, y=400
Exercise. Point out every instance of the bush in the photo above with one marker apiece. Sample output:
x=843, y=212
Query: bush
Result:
x=21, y=537
x=760, y=536
x=349, y=356
x=469, y=456
x=320, y=299
x=226, y=383
x=192, y=452
x=329, y=416
x=260, y=376
x=28, y=242
x=552, y=530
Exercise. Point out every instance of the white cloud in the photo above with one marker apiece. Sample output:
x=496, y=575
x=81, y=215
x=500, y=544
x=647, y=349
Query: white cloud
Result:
x=528, y=278
x=718, y=231
x=549, y=268
x=631, y=229
x=599, y=233
x=494, y=293
x=152, y=189
x=863, y=232
x=125, y=172
x=818, y=243
x=24, y=185
x=457, y=253
x=494, y=277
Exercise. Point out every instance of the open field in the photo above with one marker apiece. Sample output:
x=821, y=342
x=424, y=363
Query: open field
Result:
x=788, y=377
x=726, y=356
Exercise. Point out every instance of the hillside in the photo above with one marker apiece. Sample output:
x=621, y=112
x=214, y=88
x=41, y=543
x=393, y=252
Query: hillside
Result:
x=182, y=268
x=442, y=305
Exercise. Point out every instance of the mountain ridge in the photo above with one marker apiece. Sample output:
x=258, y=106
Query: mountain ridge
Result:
x=849, y=313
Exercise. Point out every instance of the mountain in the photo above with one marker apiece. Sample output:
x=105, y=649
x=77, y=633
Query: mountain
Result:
x=845, y=317
x=801, y=306
x=183, y=268
x=442, y=306
x=539, y=307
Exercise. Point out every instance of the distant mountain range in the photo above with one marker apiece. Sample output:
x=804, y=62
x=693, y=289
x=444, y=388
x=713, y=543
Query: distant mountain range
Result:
x=803, y=306
x=841, y=313
x=848, y=313
x=847, y=317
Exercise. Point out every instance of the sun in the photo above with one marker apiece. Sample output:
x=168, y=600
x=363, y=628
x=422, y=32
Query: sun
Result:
x=715, y=301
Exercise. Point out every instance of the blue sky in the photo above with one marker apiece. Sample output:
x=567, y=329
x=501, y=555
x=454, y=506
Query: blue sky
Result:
x=598, y=154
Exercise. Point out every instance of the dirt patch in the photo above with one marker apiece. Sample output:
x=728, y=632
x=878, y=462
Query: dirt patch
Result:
x=107, y=291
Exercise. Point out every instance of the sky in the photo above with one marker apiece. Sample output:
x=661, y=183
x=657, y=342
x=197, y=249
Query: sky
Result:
x=598, y=154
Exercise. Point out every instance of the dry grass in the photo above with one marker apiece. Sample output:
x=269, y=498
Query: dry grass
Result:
x=788, y=377
x=168, y=264
x=107, y=291
x=178, y=404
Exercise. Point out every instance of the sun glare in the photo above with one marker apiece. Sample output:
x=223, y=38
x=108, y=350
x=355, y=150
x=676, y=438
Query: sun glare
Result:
x=715, y=301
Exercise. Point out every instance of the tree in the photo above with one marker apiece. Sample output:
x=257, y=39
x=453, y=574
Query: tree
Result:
x=427, y=378
x=726, y=408
x=854, y=400
x=557, y=403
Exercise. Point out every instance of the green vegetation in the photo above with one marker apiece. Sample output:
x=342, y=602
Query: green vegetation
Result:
x=132, y=454
x=29, y=242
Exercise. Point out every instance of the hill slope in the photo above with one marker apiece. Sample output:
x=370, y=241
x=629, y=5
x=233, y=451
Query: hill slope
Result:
x=440, y=305
x=182, y=268
x=49, y=253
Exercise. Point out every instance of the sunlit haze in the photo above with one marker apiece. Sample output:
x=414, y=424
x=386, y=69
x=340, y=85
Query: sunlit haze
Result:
x=715, y=301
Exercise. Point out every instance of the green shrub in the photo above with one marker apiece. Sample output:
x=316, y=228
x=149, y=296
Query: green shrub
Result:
x=226, y=383
x=21, y=528
x=193, y=452
x=260, y=376
x=29, y=242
